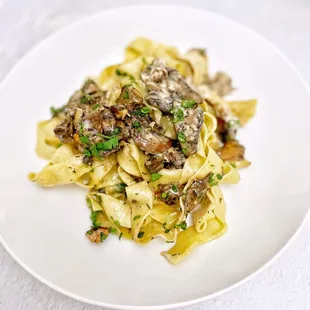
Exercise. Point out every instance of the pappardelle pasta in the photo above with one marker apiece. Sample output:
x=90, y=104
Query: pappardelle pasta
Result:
x=152, y=139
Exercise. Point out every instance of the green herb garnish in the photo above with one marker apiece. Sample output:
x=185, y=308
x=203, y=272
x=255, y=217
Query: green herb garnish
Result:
x=219, y=176
x=103, y=236
x=140, y=234
x=56, y=111
x=155, y=176
x=120, y=73
x=136, y=124
x=182, y=225
x=178, y=115
x=174, y=188
x=169, y=241
x=89, y=232
x=96, y=106
x=121, y=188
x=126, y=94
x=136, y=217
x=120, y=236
x=93, y=217
x=107, y=145
x=112, y=230
x=85, y=99
x=164, y=195
x=233, y=165
x=145, y=110
x=181, y=137
x=84, y=139
x=184, y=151
x=188, y=104
x=87, y=153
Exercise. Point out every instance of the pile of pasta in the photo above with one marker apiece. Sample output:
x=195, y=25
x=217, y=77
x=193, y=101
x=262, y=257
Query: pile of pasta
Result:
x=133, y=212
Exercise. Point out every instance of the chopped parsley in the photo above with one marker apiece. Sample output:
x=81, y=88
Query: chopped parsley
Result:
x=112, y=230
x=121, y=188
x=103, y=236
x=94, y=151
x=120, y=73
x=126, y=94
x=169, y=241
x=164, y=195
x=89, y=232
x=85, y=99
x=120, y=236
x=155, y=176
x=107, y=145
x=136, y=124
x=181, y=137
x=178, y=116
x=88, y=201
x=188, y=104
x=182, y=225
x=116, y=223
x=145, y=110
x=140, y=234
x=93, y=217
x=184, y=151
x=211, y=180
x=174, y=188
x=167, y=231
x=233, y=165
x=96, y=106
x=136, y=217
x=116, y=131
x=84, y=139
x=87, y=153
x=56, y=111
x=219, y=176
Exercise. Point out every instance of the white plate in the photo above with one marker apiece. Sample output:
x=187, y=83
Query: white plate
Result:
x=44, y=229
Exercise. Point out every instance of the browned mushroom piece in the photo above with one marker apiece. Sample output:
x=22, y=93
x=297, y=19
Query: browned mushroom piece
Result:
x=64, y=131
x=221, y=83
x=195, y=193
x=165, y=85
x=188, y=122
x=155, y=163
x=232, y=151
x=169, y=193
x=174, y=157
x=97, y=235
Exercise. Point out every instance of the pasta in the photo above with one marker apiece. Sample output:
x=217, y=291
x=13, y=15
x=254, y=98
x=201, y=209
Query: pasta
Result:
x=152, y=139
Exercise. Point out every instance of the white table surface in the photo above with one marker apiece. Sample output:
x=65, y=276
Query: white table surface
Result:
x=286, y=283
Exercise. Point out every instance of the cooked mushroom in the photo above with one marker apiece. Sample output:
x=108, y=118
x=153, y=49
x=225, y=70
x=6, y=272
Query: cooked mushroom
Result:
x=188, y=122
x=97, y=235
x=175, y=158
x=155, y=163
x=196, y=192
x=169, y=193
x=232, y=151
x=221, y=83
x=165, y=85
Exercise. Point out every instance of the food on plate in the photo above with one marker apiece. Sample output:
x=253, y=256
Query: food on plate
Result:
x=152, y=139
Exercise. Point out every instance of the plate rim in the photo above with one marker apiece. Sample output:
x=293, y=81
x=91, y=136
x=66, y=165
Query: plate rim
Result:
x=191, y=301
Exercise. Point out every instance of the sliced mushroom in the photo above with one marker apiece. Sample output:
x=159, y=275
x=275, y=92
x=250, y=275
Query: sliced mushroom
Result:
x=195, y=193
x=175, y=158
x=232, y=151
x=165, y=85
x=188, y=122
x=221, y=83
x=155, y=163
x=169, y=193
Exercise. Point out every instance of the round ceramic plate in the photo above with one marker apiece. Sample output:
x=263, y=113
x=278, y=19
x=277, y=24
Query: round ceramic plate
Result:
x=44, y=229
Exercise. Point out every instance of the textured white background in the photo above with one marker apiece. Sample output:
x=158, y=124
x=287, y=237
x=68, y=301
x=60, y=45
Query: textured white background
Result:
x=285, y=284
